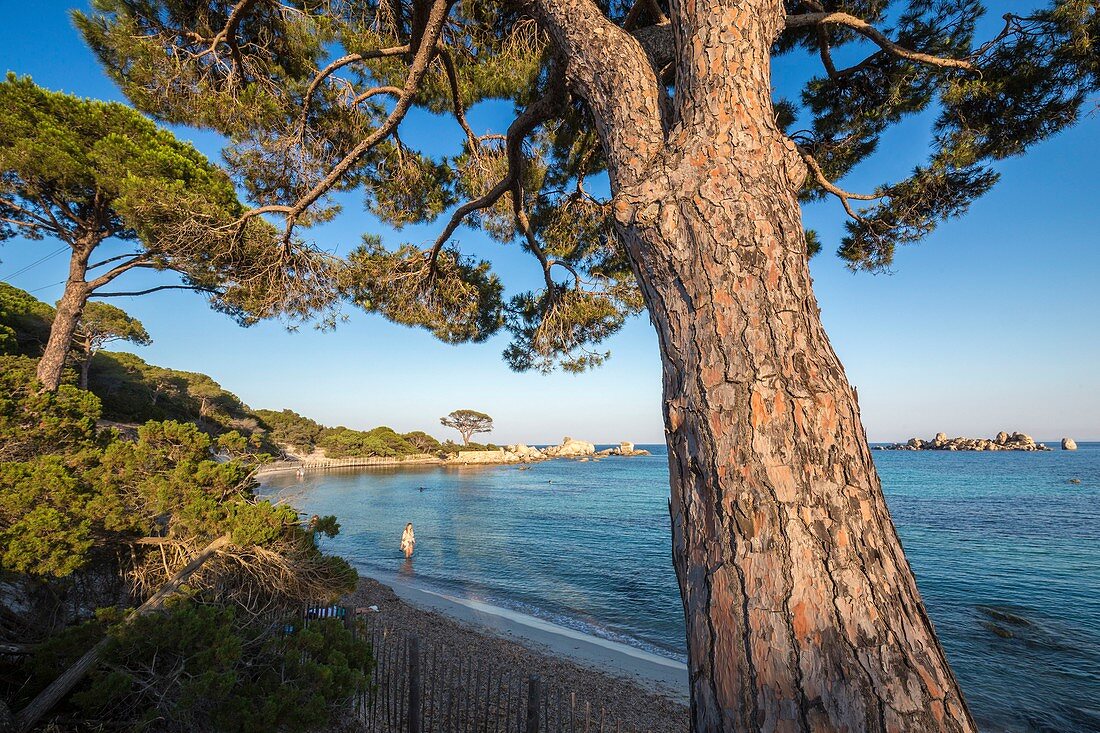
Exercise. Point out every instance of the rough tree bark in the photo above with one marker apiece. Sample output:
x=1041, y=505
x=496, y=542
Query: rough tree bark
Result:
x=69, y=310
x=802, y=612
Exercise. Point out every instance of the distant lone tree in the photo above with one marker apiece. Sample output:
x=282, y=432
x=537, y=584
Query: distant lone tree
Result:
x=102, y=323
x=802, y=612
x=87, y=172
x=468, y=423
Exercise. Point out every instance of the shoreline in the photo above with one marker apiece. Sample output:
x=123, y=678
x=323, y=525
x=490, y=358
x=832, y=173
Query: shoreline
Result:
x=472, y=459
x=658, y=674
x=638, y=689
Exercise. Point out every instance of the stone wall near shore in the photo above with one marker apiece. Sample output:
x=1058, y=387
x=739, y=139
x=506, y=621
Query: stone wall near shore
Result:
x=485, y=456
x=326, y=463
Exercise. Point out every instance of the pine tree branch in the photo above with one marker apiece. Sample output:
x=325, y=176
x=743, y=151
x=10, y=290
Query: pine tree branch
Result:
x=865, y=29
x=846, y=197
x=542, y=109
x=195, y=288
x=65, y=209
x=456, y=97
x=26, y=224
x=658, y=43
x=825, y=52
x=635, y=12
x=523, y=223
x=610, y=70
x=116, y=258
x=417, y=69
x=228, y=34
x=56, y=690
x=336, y=65
x=39, y=221
x=394, y=91
x=142, y=260
x=823, y=41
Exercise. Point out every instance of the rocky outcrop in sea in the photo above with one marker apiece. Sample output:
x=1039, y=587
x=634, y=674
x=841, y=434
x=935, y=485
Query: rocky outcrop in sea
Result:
x=570, y=448
x=623, y=449
x=1003, y=441
x=521, y=453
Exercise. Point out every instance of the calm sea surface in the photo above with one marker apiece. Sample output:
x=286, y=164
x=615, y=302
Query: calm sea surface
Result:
x=586, y=544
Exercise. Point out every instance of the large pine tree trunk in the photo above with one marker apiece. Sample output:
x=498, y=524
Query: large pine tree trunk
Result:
x=69, y=310
x=802, y=612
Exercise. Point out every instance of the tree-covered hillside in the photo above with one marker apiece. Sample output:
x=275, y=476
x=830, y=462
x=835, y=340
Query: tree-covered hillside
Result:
x=303, y=436
x=24, y=322
x=130, y=390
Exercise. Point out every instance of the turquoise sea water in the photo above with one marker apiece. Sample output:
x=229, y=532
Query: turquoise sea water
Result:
x=586, y=545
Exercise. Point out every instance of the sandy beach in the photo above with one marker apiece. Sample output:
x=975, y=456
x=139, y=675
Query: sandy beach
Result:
x=638, y=688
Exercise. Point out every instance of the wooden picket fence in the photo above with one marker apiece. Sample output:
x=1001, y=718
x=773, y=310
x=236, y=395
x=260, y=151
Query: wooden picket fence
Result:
x=423, y=688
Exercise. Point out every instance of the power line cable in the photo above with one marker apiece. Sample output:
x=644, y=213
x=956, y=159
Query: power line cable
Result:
x=36, y=263
x=51, y=285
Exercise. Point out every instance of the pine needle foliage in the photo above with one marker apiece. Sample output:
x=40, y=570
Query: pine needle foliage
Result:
x=84, y=171
x=313, y=96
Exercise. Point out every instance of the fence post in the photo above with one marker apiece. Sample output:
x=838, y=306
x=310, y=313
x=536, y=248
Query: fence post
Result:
x=533, y=685
x=414, y=685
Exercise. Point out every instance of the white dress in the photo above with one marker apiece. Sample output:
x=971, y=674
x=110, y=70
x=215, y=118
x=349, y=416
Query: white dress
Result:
x=408, y=541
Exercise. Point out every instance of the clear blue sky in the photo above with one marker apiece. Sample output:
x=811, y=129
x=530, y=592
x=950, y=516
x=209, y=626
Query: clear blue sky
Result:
x=991, y=323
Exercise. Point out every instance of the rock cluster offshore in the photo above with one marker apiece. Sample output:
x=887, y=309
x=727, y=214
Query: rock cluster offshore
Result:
x=1003, y=441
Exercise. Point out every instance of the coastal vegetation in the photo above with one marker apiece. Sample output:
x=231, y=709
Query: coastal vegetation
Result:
x=109, y=490
x=130, y=391
x=468, y=423
x=304, y=436
x=802, y=612
x=24, y=322
x=209, y=668
x=92, y=520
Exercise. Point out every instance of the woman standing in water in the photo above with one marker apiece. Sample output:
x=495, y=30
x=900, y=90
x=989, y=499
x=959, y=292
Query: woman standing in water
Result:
x=408, y=541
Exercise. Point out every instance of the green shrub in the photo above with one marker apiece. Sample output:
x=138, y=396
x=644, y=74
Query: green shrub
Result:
x=34, y=423
x=134, y=391
x=45, y=527
x=422, y=442
x=289, y=428
x=202, y=668
x=69, y=494
x=382, y=441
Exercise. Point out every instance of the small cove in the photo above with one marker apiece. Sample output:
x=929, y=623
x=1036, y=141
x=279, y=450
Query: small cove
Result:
x=1006, y=553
